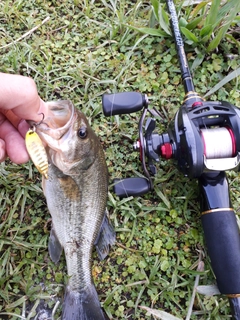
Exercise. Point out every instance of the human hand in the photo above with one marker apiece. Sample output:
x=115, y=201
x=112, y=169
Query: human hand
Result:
x=19, y=101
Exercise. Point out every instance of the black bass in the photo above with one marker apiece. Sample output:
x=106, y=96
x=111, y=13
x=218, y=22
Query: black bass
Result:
x=76, y=194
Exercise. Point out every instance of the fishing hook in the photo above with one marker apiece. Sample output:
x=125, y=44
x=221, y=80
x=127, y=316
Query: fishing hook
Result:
x=35, y=124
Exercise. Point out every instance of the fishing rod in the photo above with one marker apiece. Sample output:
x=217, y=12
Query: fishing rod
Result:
x=204, y=141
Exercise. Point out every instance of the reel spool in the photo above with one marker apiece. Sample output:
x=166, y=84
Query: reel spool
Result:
x=220, y=149
x=218, y=143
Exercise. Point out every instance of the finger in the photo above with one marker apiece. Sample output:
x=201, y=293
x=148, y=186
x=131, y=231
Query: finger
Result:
x=20, y=94
x=16, y=114
x=14, y=143
x=34, y=112
x=3, y=154
x=21, y=125
x=11, y=117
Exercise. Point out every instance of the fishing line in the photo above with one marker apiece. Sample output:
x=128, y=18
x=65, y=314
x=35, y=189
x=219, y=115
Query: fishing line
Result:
x=218, y=143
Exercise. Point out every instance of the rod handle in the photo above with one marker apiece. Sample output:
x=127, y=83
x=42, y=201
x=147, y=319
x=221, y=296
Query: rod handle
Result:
x=223, y=243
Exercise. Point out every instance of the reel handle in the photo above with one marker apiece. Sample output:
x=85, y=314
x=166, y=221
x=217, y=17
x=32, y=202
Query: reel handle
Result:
x=123, y=102
x=131, y=187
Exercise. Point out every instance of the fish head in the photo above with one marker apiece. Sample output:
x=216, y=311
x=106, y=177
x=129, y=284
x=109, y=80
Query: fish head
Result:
x=71, y=143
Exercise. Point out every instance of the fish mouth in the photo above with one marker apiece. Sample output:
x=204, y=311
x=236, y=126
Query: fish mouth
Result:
x=57, y=132
x=57, y=120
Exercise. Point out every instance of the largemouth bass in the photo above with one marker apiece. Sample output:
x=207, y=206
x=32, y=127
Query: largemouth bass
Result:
x=76, y=194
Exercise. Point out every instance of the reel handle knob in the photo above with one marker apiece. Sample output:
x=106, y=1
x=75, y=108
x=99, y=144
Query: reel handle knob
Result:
x=123, y=102
x=131, y=187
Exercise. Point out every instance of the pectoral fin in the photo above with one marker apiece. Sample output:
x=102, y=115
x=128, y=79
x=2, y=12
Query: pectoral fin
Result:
x=54, y=247
x=105, y=239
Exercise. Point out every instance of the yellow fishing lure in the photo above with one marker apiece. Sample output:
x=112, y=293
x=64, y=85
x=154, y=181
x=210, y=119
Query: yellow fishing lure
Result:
x=37, y=151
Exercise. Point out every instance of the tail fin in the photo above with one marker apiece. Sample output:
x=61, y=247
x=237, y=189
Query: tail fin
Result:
x=83, y=305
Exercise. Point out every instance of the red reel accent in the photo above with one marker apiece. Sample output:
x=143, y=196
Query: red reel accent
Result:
x=166, y=150
x=233, y=141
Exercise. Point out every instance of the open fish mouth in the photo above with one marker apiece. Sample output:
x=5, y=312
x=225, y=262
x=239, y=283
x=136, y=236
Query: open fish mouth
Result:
x=54, y=128
x=57, y=120
x=59, y=134
x=56, y=131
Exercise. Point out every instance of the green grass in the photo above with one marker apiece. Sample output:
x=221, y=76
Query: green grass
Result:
x=85, y=49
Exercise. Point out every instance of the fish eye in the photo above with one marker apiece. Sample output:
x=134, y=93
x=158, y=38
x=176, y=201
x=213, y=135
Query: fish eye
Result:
x=82, y=132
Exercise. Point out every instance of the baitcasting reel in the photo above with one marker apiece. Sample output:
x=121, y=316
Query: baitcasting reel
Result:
x=204, y=136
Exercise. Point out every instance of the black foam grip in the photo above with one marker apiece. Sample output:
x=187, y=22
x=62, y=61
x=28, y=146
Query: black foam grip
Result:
x=223, y=243
x=131, y=187
x=122, y=103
